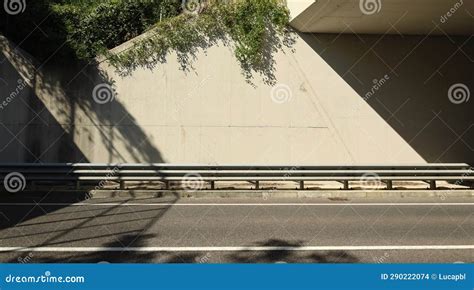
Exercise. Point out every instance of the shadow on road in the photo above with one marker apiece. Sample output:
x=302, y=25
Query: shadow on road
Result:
x=287, y=256
x=111, y=226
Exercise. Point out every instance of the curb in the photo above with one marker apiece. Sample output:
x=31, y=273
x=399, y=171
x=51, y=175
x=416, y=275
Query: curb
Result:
x=283, y=194
x=265, y=194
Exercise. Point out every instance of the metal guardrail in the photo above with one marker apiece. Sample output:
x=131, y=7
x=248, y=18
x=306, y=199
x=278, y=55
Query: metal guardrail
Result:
x=81, y=174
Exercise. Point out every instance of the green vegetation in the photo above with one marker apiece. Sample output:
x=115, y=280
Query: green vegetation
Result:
x=256, y=28
x=95, y=26
x=85, y=29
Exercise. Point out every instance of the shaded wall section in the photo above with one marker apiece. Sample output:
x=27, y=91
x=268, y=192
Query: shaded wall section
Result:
x=29, y=132
x=407, y=81
x=314, y=114
x=54, y=118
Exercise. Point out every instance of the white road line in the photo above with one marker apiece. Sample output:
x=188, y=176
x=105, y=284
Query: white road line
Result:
x=244, y=204
x=234, y=249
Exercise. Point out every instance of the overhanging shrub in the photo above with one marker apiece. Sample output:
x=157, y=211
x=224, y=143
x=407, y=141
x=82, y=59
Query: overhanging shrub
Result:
x=256, y=28
x=94, y=26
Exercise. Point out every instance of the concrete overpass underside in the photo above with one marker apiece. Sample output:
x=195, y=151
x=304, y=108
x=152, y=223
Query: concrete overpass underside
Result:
x=407, y=17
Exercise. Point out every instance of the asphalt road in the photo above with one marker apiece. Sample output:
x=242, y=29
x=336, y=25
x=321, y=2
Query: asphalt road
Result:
x=168, y=230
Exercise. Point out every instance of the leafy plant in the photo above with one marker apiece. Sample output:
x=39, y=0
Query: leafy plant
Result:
x=95, y=26
x=256, y=28
x=84, y=29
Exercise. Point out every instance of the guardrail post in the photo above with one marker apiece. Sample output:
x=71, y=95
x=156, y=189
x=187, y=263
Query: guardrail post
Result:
x=346, y=184
x=213, y=185
x=389, y=184
x=167, y=185
x=302, y=184
x=433, y=184
x=122, y=185
x=257, y=184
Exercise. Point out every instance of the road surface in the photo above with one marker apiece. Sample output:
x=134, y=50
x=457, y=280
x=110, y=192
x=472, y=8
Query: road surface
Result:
x=171, y=230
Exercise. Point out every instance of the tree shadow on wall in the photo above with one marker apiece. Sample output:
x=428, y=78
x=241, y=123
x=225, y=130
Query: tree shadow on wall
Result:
x=83, y=95
x=77, y=93
x=42, y=33
x=197, y=43
x=71, y=108
x=189, y=37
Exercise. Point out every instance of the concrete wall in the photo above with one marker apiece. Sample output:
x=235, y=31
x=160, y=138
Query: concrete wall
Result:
x=29, y=131
x=414, y=100
x=315, y=113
